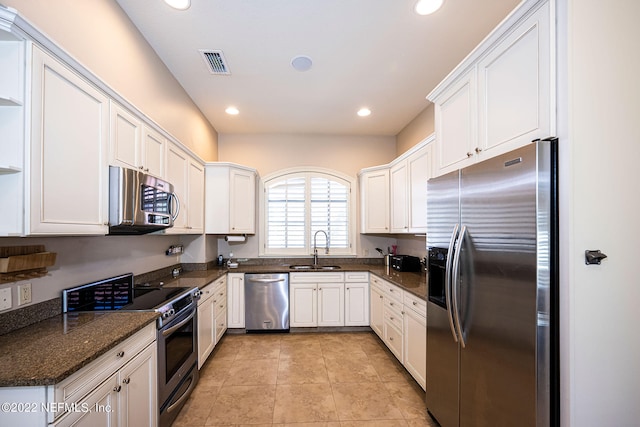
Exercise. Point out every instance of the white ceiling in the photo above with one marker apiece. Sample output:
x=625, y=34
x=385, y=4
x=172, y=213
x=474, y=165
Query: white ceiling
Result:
x=374, y=53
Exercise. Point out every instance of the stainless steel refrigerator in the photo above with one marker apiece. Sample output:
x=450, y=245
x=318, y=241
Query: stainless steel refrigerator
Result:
x=492, y=331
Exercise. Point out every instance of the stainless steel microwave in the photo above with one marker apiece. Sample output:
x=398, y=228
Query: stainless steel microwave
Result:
x=139, y=203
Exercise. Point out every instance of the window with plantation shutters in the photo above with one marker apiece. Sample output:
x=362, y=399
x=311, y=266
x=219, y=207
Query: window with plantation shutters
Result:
x=297, y=204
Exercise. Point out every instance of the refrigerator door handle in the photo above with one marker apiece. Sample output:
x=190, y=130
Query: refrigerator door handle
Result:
x=447, y=281
x=455, y=284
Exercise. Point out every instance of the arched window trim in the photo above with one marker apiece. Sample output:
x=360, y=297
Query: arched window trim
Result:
x=307, y=250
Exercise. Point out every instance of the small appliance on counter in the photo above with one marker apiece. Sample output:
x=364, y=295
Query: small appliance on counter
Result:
x=405, y=263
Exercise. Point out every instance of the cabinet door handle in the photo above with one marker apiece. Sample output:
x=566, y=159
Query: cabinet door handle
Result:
x=469, y=154
x=117, y=389
x=120, y=354
x=390, y=338
x=380, y=296
x=414, y=303
x=126, y=380
x=478, y=150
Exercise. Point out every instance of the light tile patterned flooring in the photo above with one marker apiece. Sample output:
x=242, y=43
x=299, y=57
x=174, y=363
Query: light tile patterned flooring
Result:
x=304, y=379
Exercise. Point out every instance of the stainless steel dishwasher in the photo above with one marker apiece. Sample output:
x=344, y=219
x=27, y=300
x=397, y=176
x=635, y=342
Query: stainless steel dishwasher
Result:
x=266, y=298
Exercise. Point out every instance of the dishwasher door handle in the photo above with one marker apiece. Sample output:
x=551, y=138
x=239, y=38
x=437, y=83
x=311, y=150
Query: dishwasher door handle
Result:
x=266, y=280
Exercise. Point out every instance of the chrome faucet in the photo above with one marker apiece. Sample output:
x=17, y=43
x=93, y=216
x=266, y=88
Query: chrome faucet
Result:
x=315, y=248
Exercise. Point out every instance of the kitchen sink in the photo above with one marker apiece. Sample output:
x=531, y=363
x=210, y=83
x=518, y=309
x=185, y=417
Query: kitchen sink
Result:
x=301, y=267
x=314, y=267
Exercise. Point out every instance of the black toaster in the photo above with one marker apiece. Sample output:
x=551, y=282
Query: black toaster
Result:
x=405, y=263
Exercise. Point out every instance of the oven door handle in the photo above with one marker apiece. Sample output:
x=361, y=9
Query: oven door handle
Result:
x=185, y=395
x=172, y=329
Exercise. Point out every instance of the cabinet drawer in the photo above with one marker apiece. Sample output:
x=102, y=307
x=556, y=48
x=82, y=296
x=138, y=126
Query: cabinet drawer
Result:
x=88, y=378
x=207, y=292
x=392, y=304
x=377, y=282
x=356, y=276
x=393, y=340
x=221, y=324
x=393, y=292
x=220, y=303
x=415, y=303
x=391, y=316
x=316, y=277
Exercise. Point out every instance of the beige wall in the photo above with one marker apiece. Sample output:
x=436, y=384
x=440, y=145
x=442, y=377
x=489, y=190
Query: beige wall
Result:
x=101, y=37
x=416, y=130
x=269, y=153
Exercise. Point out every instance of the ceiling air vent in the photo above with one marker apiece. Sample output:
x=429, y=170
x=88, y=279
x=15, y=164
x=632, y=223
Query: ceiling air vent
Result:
x=215, y=61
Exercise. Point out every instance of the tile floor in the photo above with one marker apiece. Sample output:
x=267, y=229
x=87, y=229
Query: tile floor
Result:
x=304, y=379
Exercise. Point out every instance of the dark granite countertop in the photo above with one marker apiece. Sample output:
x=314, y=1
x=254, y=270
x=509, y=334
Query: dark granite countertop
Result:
x=416, y=283
x=48, y=351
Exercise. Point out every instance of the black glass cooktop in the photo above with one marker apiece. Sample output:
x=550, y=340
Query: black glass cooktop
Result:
x=117, y=293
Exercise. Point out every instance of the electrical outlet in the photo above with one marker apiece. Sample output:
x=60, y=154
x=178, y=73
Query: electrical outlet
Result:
x=24, y=293
x=5, y=299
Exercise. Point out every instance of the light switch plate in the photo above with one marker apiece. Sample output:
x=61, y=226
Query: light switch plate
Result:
x=5, y=299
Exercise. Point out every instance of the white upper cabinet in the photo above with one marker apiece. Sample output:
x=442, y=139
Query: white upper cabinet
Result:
x=125, y=140
x=399, y=215
x=186, y=174
x=153, y=152
x=394, y=197
x=374, y=200
x=69, y=139
x=499, y=98
x=455, y=122
x=419, y=165
x=230, y=200
x=514, y=82
x=134, y=145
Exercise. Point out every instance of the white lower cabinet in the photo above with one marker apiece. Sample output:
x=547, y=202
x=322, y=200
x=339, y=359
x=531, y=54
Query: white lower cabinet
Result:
x=235, y=300
x=399, y=318
x=356, y=299
x=330, y=304
x=212, y=317
x=220, y=307
x=415, y=338
x=376, y=310
x=206, y=322
x=316, y=299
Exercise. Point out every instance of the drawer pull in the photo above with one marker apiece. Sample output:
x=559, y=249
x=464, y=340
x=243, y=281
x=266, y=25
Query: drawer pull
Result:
x=117, y=389
x=120, y=354
x=392, y=318
x=414, y=303
x=126, y=381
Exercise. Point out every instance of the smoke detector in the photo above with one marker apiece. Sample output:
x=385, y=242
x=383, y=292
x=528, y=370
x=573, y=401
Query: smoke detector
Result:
x=301, y=63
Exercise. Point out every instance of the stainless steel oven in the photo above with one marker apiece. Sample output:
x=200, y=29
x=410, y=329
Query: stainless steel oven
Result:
x=177, y=338
x=177, y=361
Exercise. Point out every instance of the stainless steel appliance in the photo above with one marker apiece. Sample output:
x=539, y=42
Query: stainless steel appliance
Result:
x=177, y=338
x=139, y=203
x=492, y=344
x=266, y=299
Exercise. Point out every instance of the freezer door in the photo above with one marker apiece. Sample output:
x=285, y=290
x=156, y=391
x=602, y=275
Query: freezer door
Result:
x=442, y=368
x=497, y=291
x=443, y=217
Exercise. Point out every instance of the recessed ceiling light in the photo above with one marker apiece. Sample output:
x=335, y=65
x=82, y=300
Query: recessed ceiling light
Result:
x=426, y=7
x=301, y=63
x=232, y=111
x=364, y=112
x=179, y=4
